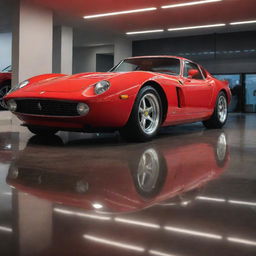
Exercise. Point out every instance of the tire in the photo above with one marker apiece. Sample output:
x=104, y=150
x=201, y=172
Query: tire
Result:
x=4, y=89
x=146, y=116
x=42, y=131
x=220, y=114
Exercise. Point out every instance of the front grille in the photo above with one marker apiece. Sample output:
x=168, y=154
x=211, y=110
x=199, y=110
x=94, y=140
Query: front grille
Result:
x=42, y=179
x=47, y=107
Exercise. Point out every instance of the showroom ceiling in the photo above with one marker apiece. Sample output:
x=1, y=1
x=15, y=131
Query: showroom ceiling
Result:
x=224, y=11
x=216, y=12
x=104, y=29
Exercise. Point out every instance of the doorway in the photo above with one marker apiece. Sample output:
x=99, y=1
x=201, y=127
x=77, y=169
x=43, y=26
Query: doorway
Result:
x=250, y=93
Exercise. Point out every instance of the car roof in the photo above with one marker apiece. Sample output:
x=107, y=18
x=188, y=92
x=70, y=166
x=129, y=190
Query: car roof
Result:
x=158, y=56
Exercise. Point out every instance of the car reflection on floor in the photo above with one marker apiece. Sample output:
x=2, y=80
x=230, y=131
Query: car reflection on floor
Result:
x=109, y=200
x=119, y=181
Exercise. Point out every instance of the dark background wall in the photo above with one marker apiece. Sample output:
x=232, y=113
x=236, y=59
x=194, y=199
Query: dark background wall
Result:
x=104, y=62
x=219, y=53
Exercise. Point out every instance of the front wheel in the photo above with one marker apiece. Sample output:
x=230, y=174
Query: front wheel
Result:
x=220, y=114
x=4, y=89
x=42, y=131
x=146, y=116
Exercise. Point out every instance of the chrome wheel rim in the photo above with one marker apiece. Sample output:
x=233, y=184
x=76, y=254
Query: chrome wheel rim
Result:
x=222, y=109
x=221, y=147
x=148, y=170
x=3, y=91
x=149, y=112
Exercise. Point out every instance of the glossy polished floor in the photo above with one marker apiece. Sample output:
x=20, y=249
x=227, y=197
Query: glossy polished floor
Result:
x=190, y=192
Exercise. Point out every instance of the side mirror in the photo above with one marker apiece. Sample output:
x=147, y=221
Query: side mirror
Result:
x=193, y=73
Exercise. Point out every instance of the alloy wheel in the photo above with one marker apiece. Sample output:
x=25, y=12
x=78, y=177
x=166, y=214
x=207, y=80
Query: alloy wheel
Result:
x=222, y=108
x=149, y=113
x=148, y=170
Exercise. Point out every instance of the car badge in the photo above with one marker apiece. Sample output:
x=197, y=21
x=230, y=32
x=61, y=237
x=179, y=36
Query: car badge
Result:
x=39, y=106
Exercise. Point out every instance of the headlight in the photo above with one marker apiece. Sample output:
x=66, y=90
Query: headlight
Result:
x=19, y=86
x=23, y=84
x=101, y=87
x=12, y=105
x=14, y=173
x=82, y=109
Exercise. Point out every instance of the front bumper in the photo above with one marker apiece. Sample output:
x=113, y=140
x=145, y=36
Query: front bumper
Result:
x=104, y=114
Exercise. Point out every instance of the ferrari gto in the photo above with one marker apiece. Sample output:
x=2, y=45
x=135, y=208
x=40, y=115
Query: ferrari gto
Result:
x=136, y=97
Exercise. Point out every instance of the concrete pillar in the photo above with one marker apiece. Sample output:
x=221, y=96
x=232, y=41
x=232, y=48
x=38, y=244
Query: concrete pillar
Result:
x=123, y=49
x=34, y=224
x=32, y=41
x=63, y=50
x=32, y=55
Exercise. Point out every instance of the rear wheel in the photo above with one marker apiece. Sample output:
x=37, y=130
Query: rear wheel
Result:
x=4, y=89
x=42, y=131
x=146, y=116
x=220, y=114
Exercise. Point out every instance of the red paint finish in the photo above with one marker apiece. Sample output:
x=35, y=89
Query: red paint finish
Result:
x=195, y=100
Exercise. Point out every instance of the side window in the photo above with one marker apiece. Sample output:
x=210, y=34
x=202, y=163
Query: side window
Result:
x=190, y=65
x=204, y=71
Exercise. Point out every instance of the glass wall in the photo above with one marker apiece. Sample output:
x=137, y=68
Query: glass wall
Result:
x=235, y=84
x=250, y=93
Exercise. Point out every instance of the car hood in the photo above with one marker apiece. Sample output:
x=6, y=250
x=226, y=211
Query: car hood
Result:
x=72, y=83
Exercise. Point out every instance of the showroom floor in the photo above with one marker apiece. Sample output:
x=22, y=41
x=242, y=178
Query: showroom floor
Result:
x=189, y=192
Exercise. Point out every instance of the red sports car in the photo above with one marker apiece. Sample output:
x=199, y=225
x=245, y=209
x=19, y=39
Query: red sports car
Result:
x=136, y=97
x=5, y=85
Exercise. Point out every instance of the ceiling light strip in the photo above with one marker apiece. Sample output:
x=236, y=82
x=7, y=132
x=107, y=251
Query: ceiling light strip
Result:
x=139, y=223
x=154, y=252
x=114, y=243
x=210, y=199
x=145, y=32
x=5, y=229
x=241, y=241
x=242, y=22
x=120, y=13
x=242, y=202
x=192, y=232
x=80, y=214
x=189, y=4
x=197, y=27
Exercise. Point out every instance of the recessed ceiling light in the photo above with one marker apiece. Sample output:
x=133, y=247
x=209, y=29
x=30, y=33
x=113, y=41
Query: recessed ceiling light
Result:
x=190, y=3
x=242, y=22
x=120, y=13
x=145, y=32
x=197, y=27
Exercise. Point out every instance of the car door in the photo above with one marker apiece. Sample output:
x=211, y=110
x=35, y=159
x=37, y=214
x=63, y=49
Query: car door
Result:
x=197, y=91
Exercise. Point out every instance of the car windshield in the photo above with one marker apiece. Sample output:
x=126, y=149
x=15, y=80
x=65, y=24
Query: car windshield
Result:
x=8, y=69
x=169, y=66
